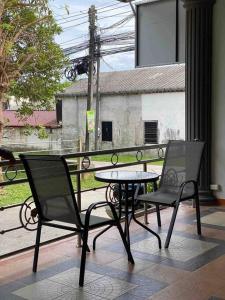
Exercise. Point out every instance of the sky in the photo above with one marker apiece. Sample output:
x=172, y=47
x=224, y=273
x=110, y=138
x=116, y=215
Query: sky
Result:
x=72, y=16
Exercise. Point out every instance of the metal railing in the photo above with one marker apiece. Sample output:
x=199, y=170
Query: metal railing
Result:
x=83, y=165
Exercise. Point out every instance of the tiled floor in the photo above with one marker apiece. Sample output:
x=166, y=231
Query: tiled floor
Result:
x=192, y=268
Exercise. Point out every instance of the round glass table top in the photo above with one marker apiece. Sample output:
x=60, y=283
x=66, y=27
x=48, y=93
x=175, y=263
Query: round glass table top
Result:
x=126, y=176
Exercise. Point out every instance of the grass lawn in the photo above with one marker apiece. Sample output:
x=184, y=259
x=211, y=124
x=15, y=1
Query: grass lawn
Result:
x=124, y=159
x=15, y=194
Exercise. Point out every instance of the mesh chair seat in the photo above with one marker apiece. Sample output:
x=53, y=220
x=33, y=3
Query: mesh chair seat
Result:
x=163, y=197
x=95, y=220
x=68, y=218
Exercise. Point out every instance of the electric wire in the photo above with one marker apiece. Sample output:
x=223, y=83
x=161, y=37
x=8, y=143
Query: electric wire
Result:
x=74, y=39
x=66, y=19
x=123, y=39
x=110, y=44
x=119, y=23
x=105, y=17
x=86, y=12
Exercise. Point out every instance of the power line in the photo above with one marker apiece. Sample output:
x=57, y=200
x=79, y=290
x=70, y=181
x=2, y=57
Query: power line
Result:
x=101, y=12
x=100, y=8
x=121, y=38
x=86, y=12
x=114, y=43
x=119, y=23
x=75, y=25
x=105, y=17
x=119, y=14
x=74, y=39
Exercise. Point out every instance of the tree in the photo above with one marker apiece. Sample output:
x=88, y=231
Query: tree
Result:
x=30, y=60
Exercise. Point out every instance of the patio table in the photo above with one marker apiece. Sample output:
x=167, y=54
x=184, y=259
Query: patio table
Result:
x=125, y=178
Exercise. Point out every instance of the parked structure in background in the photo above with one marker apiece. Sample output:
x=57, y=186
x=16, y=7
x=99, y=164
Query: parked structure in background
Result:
x=14, y=132
x=141, y=106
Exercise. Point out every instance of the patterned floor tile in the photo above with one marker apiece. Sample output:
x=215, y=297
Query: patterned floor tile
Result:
x=129, y=296
x=216, y=218
x=6, y=296
x=164, y=273
x=42, y=290
x=109, y=288
x=79, y=295
x=137, y=267
x=71, y=277
x=181, y=248
x=192, y=267
x=146, y=290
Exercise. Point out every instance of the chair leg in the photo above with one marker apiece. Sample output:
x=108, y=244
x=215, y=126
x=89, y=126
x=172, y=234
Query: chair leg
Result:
x=83, y=257
x=198, y=217
x=126, y=245
x=87, y=248
x=37, y=245
x=146, y=213
x=172, y=222
x=148, y=229
x=158, y=215
x=98, y=235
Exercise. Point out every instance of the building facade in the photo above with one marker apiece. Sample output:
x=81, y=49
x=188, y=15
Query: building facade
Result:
x=142, y=106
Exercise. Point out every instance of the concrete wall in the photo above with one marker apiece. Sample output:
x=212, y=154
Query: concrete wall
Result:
x=127, y=113
x=218, y=98
x=70, y=127
x=16, y=139
x=169, y=110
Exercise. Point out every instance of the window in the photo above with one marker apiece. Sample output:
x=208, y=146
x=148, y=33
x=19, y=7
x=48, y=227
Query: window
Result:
x=107, y=131
x=160, y=32
x=151, y=132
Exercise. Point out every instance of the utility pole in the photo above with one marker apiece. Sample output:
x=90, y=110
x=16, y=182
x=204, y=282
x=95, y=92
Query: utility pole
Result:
x=92, y=34
x=98, y=41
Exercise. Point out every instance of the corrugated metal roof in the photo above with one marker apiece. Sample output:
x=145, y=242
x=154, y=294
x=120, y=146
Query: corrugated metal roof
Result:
x=169, y=78
x=44, y=118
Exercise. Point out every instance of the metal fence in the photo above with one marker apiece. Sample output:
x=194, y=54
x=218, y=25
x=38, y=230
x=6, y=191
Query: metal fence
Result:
x=14, y=175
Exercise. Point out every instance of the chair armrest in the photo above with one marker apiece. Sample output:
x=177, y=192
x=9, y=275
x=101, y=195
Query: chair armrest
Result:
x=182, y=186
x=97, y=205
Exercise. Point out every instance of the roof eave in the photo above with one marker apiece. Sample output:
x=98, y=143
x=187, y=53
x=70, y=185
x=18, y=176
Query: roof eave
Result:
x=152, y=91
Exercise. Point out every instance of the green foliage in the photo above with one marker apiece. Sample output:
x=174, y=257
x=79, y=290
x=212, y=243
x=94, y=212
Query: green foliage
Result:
x=42, y=133
x=29, y=57
x=28, y=130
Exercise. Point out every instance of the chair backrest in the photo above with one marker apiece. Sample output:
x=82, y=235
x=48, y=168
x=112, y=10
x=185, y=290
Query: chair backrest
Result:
x=182, y=162
x=51, y=187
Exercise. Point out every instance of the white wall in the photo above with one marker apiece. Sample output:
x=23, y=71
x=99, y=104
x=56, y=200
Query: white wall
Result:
x=128, y=113
x=218, y=98
x=169, y=110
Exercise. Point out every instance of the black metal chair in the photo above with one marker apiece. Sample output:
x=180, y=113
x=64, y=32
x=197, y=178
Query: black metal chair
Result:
x=52, y=190
x=179, y=180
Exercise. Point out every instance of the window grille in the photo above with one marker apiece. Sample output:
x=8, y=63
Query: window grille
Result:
x=151, y=132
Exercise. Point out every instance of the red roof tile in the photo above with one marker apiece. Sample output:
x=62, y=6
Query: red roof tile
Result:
x=44, y=118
